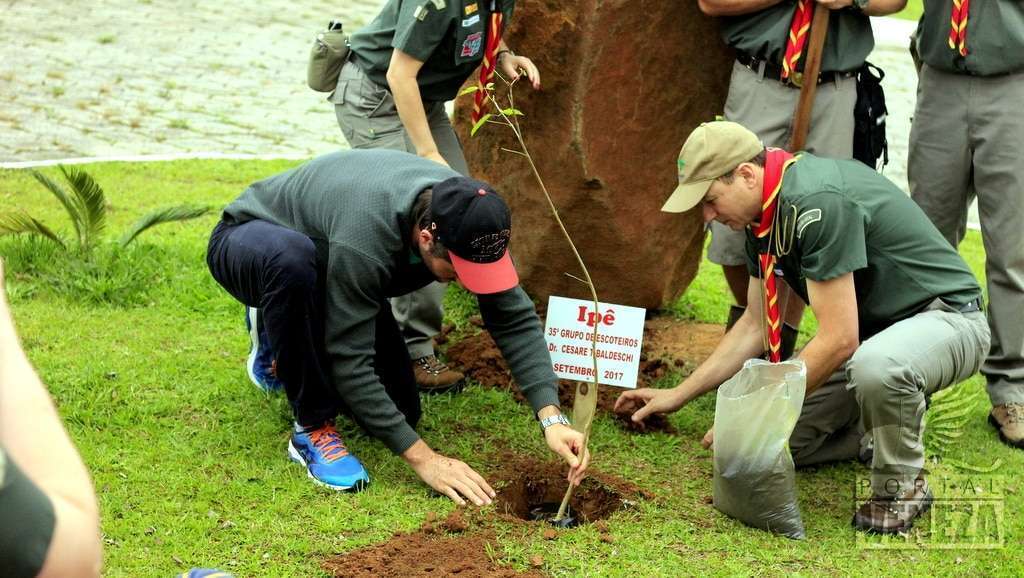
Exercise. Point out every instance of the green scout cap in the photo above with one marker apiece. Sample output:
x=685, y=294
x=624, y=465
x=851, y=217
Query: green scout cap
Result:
x=713, y=149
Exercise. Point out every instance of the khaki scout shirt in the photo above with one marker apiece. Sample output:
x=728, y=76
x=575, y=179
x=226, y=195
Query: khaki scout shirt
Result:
x=843, y=217
x=995, y=37
x=448, y=36
x=763, y=35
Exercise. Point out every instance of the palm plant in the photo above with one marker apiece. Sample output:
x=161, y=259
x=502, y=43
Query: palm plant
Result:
x=86, y=205
x=949, y=413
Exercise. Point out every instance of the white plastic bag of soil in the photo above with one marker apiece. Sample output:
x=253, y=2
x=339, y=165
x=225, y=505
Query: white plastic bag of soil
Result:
x=755, y=414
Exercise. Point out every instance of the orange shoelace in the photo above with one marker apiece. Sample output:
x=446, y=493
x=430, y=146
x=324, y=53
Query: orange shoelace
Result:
x=327, y=440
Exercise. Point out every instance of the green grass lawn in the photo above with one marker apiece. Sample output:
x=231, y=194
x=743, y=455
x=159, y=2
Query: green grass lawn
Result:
x=188, y=458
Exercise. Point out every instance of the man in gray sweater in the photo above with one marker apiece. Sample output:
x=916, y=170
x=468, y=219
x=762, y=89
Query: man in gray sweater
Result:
x=322, y=247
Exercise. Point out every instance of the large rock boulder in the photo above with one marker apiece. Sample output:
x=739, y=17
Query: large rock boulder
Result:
x=623, y=83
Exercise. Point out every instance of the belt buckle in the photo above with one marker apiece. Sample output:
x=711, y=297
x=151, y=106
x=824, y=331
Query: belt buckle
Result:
x=797, y=79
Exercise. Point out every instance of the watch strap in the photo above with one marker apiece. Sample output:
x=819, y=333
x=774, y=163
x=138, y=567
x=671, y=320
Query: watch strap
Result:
x=552, y=420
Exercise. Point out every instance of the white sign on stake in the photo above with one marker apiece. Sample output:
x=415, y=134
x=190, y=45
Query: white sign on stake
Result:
x=569, y=332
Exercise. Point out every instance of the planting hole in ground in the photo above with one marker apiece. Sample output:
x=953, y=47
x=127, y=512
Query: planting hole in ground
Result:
x=532, y=491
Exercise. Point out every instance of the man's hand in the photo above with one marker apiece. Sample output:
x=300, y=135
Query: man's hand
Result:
x=709, y=439
x=511, y=64
x=448, y=476
x=568, y=443
x=645, y=401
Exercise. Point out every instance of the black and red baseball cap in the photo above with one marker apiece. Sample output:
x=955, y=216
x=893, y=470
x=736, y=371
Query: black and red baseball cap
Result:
x=473, y=222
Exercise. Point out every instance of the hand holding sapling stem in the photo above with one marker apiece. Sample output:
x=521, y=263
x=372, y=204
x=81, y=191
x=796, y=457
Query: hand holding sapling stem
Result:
x=569, y=444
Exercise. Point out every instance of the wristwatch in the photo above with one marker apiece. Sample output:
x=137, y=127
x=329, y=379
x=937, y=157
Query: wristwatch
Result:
x=861, y=5
x=552, y=420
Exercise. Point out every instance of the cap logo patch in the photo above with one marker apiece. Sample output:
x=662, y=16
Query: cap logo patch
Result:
x=490, y=247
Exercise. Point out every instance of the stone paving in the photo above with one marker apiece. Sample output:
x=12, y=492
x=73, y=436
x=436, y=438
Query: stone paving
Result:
x=141, y=77
x=117, y=78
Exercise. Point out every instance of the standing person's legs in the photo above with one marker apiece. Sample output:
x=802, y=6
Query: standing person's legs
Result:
x=962, y=139
x=997, y=136
x=393, y=367
x=368, y=118
x=939, y=161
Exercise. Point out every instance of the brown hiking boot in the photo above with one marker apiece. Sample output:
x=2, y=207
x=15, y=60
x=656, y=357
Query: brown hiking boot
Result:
x=1008, y=419
x=892, y=514
x=434, y=376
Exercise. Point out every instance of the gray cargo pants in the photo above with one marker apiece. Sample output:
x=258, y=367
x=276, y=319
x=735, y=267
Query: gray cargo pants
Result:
x=967, y=140
x=766, y=106
x=368, y=118
x=882, y=390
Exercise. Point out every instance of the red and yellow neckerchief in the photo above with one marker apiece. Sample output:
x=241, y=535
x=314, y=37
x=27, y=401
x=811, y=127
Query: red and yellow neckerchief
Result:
x=776, y=163
x=494, y=30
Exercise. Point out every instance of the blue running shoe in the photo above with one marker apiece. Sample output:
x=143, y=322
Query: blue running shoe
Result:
x=260, y=363
x=205, y=573
x=327, y=459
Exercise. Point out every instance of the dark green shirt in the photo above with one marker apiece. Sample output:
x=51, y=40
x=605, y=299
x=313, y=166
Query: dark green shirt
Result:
x=355, y=206
x=26, y=522
x=850, y=219
x=995, y=37
x=763, y=35
x=448, y=36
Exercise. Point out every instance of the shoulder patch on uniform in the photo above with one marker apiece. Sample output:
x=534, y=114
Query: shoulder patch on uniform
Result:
x=471, y=46
x=805, y=219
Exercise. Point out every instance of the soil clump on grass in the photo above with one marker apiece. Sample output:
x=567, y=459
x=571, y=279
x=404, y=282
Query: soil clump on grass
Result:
x=425, y=554
x=668, y=345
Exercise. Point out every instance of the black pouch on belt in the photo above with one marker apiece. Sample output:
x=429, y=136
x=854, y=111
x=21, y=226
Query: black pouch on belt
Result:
x=869, y=143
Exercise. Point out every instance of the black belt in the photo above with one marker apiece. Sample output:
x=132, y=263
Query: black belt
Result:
x=775, y=71
x=970, y=307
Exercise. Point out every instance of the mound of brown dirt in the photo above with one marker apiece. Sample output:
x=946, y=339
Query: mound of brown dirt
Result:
x=524, y=484
x=680, y=341
x=420, y=554
x=458, y=545
x=668, y=343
